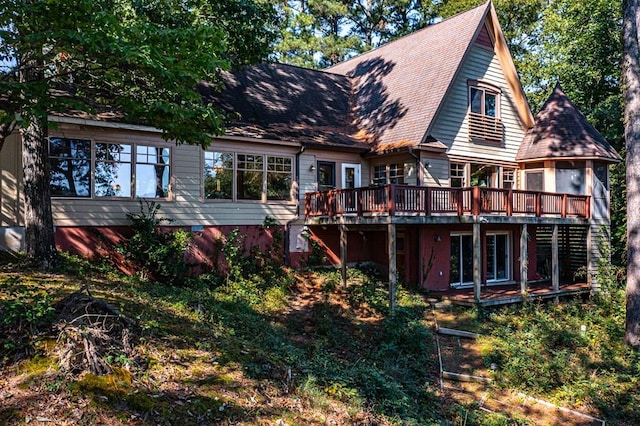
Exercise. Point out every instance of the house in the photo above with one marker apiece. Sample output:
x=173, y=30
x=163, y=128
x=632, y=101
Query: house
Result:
x=421, y=155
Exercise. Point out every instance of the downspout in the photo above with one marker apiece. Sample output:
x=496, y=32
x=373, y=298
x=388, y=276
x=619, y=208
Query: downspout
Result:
x=287, y=226
x=419, y=277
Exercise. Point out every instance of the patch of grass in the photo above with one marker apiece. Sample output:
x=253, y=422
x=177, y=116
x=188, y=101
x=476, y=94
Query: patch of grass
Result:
x=571, y=353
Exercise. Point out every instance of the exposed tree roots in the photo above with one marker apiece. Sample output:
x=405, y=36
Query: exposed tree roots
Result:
x=90, y=331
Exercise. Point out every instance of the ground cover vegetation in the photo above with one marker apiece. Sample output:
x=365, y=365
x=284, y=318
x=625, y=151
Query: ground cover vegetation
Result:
x=267, y=345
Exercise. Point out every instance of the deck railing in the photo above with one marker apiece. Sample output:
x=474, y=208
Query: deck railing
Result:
x=426, y=201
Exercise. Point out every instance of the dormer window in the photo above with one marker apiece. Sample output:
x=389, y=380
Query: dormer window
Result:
x=484, y=112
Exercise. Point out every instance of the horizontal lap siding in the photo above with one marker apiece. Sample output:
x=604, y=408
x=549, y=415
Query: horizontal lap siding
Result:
x=11, y=206
x=310, y=157
x=451, y=126
x=187, y=208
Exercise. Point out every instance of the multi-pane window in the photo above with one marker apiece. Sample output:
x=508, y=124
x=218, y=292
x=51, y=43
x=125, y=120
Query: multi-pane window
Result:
x=112, y=171
x=279, y=170
x=379, y=175
x=152, y=172
x=508, y=178
x=70, y=162
x=249, y=176
x=456, y=175
x=218, y=175
x=388, y=173
x=229, y=176
x=396, y=173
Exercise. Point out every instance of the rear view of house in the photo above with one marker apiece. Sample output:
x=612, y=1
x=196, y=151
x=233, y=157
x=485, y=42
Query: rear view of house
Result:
x=421, y=155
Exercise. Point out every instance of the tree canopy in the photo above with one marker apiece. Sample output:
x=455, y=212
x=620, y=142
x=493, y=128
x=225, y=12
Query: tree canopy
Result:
x=136, y=61
x=139, y=60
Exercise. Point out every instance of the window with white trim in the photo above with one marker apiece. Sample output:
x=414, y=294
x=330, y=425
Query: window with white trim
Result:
x=484, y=112
x=243, y=176
x=456, y=175
x=392, y=173
x=81, y=168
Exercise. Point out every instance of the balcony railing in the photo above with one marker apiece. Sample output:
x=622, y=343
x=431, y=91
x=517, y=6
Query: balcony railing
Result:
x=484, y=127
x=395, y=200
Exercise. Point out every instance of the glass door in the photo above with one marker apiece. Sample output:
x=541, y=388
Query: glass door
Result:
x=497, y=257
x=461, y=260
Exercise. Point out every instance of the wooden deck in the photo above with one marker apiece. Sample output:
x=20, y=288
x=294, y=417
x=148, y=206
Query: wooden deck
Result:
x=398, y=200
x=506, y=294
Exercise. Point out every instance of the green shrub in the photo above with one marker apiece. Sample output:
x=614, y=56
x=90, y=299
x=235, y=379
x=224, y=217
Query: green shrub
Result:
x=159, y=255
x=24, y=314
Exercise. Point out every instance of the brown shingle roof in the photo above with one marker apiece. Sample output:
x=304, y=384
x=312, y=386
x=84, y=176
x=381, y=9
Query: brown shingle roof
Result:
x=283, y=102
x=561, y=131
x=400, y=86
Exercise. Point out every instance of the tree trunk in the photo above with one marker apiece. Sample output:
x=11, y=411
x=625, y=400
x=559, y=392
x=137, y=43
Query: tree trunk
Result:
x=631, y=76
x=39, y=238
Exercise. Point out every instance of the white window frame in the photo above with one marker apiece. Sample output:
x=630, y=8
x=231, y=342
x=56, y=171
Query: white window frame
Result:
x=265, y=172
x=508, y=250
x=132, y=164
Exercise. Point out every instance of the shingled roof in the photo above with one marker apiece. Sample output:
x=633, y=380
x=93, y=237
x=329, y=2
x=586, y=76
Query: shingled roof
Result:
x=284, y=102
x=561, y=131
x=401, y=86
x=384, y=99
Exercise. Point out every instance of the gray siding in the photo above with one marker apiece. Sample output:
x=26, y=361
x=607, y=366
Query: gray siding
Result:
x=451, y=125
x=186, y=206
x=11, y=205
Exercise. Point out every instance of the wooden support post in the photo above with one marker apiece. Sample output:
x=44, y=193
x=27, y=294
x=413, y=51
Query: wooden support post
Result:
x=477, y=262
x=393, y=268
x=510, y=202
x=524, y=258
x=343, y=254
x=591, y=264
x=555, y=258
x=475, y=201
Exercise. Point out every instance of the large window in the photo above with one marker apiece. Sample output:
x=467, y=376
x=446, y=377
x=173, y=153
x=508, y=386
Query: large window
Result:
x=497, y=257
x=80, y=168
x=570, y=177
x=218, y=175
x=461, y=260
x=236, y=176
x=392, y=173
x=70, y=163
x=113, y=170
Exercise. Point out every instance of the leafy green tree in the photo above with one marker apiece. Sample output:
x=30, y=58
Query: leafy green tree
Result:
x=137, y=59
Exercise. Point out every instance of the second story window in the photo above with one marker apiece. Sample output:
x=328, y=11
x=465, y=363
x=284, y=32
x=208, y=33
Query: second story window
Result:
x=388, y=174
x=484, y=112
x=508, y=178
x=456, y=179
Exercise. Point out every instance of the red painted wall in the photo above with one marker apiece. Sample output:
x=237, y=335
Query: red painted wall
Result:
x=205, y=252
x=435, y=258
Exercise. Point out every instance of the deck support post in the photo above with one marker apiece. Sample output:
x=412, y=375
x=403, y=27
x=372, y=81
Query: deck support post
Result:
x=524, y=258
x=343, y=255
x=477, y=262
x=393, y=268
x=594, y=285
x=555, y=259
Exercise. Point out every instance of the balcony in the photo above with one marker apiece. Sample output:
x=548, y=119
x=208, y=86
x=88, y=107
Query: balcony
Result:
x=484, y=128
x=404, y=200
